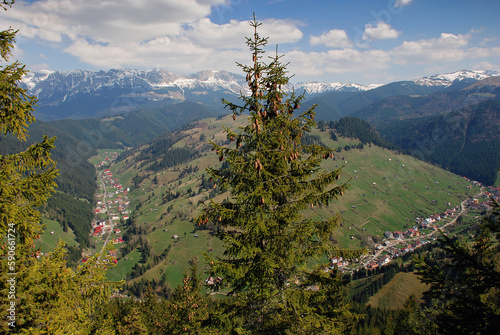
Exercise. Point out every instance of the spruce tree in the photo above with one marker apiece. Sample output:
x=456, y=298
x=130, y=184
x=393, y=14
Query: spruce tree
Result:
x=26, y=178
x=272, y=178
x=39, y=296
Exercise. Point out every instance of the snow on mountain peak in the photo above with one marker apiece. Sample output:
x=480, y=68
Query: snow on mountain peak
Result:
x=448, y=79
x=318, y=87
x=54, y=84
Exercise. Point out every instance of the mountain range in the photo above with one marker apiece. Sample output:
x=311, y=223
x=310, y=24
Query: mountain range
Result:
x=82, y=94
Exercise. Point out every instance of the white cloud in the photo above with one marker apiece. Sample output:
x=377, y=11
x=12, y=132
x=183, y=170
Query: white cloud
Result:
x=380, y=31
x=446, y=48
x=337, y=61
x=335, y=38
x=487, y=40
x=232, y=35
x=112, y=21
x=126, y=33
x=402, y=3
x=486, y=66
x=38, y=67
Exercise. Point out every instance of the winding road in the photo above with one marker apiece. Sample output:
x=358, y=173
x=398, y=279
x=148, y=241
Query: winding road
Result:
x=370, y=258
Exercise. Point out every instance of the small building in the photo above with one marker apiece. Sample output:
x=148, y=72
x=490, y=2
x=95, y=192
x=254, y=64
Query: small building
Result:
x=388, y=234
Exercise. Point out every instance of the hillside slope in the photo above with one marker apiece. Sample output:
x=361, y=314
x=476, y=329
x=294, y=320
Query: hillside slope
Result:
x=387, y=192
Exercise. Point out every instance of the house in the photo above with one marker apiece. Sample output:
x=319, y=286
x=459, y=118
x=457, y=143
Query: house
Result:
x=117, y=231
x=388, y=234
x=384, y=260
x=397, y=234
x=411, y=232
x=98, y=231
x=175, y=236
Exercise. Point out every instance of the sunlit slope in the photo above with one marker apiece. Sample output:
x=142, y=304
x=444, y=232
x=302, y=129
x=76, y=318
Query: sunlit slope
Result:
x=387, y=192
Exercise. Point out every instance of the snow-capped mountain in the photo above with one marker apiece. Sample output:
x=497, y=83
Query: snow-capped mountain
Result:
x=451, y=78
x=45, y=84
x=79, y=94
x=84, y=94
x=318, y=88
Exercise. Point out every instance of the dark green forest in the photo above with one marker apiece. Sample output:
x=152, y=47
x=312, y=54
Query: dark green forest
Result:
x=465, y=142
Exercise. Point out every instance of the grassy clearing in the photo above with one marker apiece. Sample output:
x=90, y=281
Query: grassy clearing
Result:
x=124, y=266
x=48, y=241
x=394, y=294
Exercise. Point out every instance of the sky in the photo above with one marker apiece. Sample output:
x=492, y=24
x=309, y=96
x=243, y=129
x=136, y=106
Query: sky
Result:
x=360, y=41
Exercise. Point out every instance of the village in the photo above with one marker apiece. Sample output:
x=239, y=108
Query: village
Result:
x=112, y=208
x=398, y=243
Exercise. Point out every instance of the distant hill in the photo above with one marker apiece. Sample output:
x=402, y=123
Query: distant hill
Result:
x=454, y=128
x=78, y=140
x=465, y=141
x=334, y=105
x=87, y=94
x=402, y=107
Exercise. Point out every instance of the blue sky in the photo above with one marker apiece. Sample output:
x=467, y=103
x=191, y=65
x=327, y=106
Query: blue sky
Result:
x=361, y=41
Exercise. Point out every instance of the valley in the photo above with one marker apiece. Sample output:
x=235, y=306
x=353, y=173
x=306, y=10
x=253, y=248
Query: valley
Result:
x=149, y=163
x=183, y=168
x=388, y=192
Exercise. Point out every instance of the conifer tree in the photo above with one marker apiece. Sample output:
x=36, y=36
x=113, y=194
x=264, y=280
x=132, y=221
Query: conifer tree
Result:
x=26, y=178
x=272, y=178
x=39, y=296
x=188, y=310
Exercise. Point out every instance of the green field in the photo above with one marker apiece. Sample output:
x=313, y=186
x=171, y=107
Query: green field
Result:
x=48, y=241
x=394, y=294
x=124, y=265
x=102, y=154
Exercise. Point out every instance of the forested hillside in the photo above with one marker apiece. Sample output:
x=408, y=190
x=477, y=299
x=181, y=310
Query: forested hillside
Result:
x=465, y=141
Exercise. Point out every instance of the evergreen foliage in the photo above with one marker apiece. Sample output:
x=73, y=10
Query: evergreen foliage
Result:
x=272, y=176
x=188, y=310
x=26, y=178
x=356, y=128
x=39, y=296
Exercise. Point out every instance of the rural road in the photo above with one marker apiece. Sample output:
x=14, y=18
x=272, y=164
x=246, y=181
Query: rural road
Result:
x=371, y=258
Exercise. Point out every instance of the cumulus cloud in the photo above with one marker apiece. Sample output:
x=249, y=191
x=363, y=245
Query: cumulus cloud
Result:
x=446, y=48
x=338, y=61
x=126, y=33
x=111, y=21
x=379, y=31
x=486, y=66
x=402, y=3
x=335, y=38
